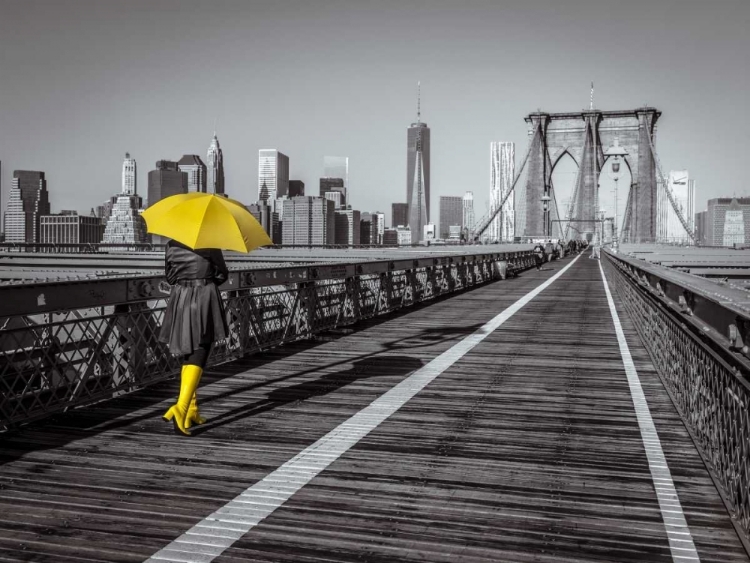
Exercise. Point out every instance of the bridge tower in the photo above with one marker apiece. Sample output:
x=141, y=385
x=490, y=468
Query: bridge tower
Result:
x=584, y=136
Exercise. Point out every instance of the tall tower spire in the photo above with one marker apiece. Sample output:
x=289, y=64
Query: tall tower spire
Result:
x=419, y=102
x=591, y=102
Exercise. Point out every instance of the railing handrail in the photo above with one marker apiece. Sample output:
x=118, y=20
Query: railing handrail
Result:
x=48, y=296
x=709, y=313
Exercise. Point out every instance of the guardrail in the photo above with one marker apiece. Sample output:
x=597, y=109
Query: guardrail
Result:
x=696, y=342
x=67, y=344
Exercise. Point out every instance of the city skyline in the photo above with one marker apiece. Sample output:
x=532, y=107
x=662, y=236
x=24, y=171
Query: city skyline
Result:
x=99, y=57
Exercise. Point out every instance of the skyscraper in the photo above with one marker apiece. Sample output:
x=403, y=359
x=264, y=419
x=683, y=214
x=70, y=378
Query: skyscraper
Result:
x=27, y=202
x=468, y=213
x=296, y=188
x=215, y=162
x=725, y=221
x=273, y=175
x=129, y=175
x=308, y=221
x=418, y=174
x=332, y=184
x=165, y=181
x=668, y=226
x=399, y=214
x=336, y=167
x=194, y=167
x=347, y=227
x=125, y=224
x=502, y=171
x=451, y=214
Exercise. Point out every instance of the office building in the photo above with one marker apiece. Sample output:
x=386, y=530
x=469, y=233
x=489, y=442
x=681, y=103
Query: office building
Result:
x=268, y=219
x=701, y=230
x=215, y=168
x=399, y=214
x=334, y=185
x=378, y=225
x=104, y=211
x=125, y=224
x=308, y=221
x=129, y=175
x=418, y=175
x=70, y=229
x=336, y=167
x=347, y=227
x=195, y=169
x=468, y=213
x=454, y=233
x=365, y=228
x=166, y=180
x=429, y=232
x=669, y=228
x=335, y=197
x=372, y=233
x=296, y=188
x=727, y=221
x=27, y=202
x=502, y=171
x=404, y=236
x=273, y=175
x=451, y=214
x=390, y=237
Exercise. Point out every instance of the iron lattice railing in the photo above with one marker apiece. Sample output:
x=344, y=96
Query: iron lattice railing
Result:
x=707, y=383
x=57, y=359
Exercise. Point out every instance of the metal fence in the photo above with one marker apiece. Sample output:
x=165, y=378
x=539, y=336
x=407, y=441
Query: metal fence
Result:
x=64, y=345
x=704, y=370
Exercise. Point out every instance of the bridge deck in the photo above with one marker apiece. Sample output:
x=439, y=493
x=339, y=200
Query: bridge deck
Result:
x=527, y=448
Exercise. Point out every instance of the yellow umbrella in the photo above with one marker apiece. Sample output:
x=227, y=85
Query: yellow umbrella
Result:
x=201, y=220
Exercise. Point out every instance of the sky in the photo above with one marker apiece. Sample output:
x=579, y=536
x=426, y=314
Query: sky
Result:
x=82, y=82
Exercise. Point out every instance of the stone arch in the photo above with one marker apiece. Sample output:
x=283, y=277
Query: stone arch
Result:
x=585, y=135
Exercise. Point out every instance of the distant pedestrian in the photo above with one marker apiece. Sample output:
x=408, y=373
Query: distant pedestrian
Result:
x=539, y=255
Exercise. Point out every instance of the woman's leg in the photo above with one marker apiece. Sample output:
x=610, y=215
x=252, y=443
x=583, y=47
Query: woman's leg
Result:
x=198, y=358
x=185, y=411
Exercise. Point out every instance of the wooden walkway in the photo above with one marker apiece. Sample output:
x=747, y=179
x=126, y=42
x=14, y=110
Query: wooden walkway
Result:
x=526, y=449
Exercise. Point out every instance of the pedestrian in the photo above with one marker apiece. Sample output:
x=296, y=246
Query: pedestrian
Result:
x=539, y=255
x=548, y=249
x=193, y=321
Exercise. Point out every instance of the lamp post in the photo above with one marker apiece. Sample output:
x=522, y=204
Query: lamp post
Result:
x=617, y=154
x=545, y=202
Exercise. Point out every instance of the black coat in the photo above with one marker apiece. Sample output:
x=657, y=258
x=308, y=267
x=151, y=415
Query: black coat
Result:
x=195, y=313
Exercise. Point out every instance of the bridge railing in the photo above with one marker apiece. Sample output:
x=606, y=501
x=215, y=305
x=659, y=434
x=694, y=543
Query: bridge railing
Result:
x=67, y=344
x=696, y=341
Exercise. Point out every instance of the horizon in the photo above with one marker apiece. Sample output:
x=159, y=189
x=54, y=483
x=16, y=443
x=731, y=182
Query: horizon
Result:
x=134, y=79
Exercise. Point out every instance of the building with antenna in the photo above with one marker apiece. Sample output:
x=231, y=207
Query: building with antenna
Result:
x=418, y=173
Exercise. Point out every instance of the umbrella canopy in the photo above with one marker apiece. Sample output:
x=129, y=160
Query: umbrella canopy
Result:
x=201, y=220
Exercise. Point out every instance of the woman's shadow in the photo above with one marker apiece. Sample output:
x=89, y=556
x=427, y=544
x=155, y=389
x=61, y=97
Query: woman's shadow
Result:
x=378, y=366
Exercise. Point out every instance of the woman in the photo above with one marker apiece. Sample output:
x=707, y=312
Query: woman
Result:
x=193, y=321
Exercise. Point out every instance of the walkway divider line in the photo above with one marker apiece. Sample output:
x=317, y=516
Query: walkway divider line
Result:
x=217, y=532
x=678, y=533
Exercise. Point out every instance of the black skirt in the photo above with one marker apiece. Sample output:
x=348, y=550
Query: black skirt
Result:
x=195, y=315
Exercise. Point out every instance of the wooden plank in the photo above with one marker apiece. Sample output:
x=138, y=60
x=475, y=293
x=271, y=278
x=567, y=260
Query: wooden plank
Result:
x=527, y=449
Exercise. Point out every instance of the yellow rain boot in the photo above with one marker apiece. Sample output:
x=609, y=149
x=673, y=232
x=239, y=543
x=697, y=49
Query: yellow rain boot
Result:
x=193, y=416
x=191, y=376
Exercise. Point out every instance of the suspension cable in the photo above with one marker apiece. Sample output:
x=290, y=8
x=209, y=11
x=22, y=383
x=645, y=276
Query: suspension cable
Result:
x=670, y=196
x=485, y=222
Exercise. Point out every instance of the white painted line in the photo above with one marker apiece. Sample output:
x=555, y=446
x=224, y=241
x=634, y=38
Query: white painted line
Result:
x=680, y=540
x=276, y=488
